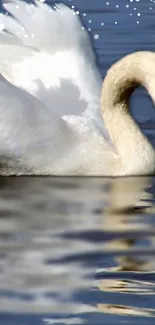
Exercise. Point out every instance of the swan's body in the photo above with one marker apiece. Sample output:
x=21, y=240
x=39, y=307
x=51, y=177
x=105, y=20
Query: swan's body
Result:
x=50, y=117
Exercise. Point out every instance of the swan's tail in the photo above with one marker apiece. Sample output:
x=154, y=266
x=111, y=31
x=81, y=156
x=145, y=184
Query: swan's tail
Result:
x=42, y=27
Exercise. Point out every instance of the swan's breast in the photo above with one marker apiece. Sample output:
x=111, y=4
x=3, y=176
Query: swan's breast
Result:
x=92, y=154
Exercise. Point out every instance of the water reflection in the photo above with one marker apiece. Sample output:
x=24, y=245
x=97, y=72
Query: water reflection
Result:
x=77, y=249
x=130, y=201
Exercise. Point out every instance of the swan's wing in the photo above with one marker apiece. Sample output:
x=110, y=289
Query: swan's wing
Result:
x=63, y=67
x=30, y=132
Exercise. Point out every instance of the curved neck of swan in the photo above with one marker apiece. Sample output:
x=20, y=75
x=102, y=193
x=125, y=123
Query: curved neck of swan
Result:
x=136, y=153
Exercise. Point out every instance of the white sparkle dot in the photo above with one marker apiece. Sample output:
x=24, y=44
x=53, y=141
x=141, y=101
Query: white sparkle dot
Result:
x=96, y=36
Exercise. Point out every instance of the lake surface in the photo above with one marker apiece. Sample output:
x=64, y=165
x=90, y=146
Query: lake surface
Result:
x=77, y=251
x=82, y=250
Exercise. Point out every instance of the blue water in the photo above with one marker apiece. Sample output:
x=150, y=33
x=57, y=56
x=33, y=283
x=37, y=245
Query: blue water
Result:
x=81, y=250
x=77, y=251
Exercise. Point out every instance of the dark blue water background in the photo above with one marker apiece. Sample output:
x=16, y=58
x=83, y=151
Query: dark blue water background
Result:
x=82, y=251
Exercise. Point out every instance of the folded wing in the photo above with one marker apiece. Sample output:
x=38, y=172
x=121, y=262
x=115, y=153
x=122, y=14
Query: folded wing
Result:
x=31, y=133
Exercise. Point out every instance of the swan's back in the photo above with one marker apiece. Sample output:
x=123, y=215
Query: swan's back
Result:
x=27, y=140
x=29, y=145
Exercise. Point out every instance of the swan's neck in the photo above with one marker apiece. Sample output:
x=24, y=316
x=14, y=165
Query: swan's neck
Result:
x=136, y=153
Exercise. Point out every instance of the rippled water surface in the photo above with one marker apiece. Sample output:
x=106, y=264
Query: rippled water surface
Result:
x=77, y=251
x=82, y=250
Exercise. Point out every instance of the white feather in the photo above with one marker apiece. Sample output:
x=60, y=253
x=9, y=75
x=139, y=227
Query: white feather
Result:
x=58, y=62
x=50, y=102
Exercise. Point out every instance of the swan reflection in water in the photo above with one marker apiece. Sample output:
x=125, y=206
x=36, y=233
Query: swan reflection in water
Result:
x=130, y=206
x=56, y=116
x=48, y=228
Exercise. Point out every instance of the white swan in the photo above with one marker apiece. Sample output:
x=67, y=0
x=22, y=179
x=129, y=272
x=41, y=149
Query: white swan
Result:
x=50, y=118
